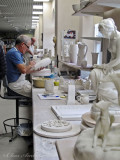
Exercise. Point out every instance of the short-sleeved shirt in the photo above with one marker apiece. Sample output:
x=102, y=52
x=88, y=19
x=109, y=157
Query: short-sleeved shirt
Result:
x=13, y=57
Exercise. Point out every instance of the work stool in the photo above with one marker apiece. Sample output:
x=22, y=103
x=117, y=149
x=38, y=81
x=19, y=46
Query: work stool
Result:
x=14, y=123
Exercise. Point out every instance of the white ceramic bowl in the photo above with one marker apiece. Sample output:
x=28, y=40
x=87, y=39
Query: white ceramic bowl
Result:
x=76, y=7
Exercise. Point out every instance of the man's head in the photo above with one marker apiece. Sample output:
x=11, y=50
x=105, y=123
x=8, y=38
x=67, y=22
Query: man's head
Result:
x=33, y=40
x=23, y=43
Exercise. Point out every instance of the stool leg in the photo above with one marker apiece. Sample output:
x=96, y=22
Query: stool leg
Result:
x=17, y=111
x=5, y=128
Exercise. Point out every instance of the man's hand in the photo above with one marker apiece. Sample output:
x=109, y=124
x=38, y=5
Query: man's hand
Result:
x=32, y=63
x=40, y=69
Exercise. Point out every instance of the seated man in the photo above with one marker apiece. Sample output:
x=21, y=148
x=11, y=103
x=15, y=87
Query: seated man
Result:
x=2, y=63
x=16, y=68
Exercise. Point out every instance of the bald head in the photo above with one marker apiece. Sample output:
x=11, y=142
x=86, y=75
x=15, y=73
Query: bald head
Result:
x=33, y=40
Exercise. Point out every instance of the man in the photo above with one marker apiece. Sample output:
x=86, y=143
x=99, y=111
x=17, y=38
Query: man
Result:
x=3, y=69
x=32, y=47
x=30, y=53
x=16, y=68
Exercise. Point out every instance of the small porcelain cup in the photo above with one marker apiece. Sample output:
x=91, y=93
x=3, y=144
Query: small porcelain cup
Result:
x=83, y=98
x=49, y=86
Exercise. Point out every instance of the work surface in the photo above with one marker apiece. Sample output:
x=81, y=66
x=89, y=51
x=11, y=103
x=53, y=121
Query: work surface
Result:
x=44, y=148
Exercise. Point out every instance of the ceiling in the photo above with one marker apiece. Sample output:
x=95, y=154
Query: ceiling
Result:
x=16, y=15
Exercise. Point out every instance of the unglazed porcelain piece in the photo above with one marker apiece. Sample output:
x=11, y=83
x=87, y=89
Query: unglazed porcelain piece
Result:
x=42, y=63
x=73, y=53
x=43, y=72
x=109, y=30
x=71, y=95
x=81, y=61
x=49, y=86
x=70, y=112
x=116, y=80
x=113, y=110
x=56, y=126
x=88, y=120
x=73, y=132
x=103, y=123
x=83, y=98
x=83, y=148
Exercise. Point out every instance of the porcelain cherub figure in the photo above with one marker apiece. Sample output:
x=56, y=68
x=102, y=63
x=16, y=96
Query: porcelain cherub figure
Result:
x=103, y=123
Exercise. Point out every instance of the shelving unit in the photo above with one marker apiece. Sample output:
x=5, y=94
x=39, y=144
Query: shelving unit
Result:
x=72, y=65
x=98, y=7
x=93, y=38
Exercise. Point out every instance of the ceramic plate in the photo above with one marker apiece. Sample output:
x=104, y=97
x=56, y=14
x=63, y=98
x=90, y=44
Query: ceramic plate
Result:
x=88, y=120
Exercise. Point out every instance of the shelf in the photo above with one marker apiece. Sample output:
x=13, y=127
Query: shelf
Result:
x=95, y=8
x=93, y=38
x=72, y=65
x=109, y=3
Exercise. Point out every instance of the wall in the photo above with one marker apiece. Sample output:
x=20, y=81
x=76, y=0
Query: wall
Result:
x=40, y=31
x=115, y=14
x=49, y=25
x=87, y=23
x=83, y=24
x=65, y=20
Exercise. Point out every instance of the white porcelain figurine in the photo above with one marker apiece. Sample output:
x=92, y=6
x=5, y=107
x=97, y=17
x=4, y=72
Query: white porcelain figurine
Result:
x=103, y=123
x=100, y=73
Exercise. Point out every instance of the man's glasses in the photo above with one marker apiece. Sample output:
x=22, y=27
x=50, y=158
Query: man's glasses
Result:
x=26, y=45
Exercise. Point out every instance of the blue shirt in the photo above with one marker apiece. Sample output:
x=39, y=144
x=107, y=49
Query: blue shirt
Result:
x=13, y=57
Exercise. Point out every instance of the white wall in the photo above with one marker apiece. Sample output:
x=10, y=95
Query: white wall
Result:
x=48, y=25
x=65, y=20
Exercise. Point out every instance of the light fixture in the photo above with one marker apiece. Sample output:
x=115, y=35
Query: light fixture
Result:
x=10, y=20
x=34, y=23
x=35, y=20
x=34, y=26
x=37, y=7
x=2, y=5
x=37, y=12
x=41, y=0
x=35, y=17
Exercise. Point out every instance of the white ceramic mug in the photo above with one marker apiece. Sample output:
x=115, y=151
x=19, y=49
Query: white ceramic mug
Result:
x=49, y=86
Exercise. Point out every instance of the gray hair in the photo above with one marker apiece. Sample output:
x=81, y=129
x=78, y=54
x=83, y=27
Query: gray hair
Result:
x=22, y=38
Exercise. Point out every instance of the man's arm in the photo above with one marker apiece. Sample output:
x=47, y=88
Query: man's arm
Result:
x=25, y=69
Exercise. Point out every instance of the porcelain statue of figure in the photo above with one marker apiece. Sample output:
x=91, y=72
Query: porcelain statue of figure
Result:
x=103, y=123
x=116, y=80
x=100, y=72
x=82, y=54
